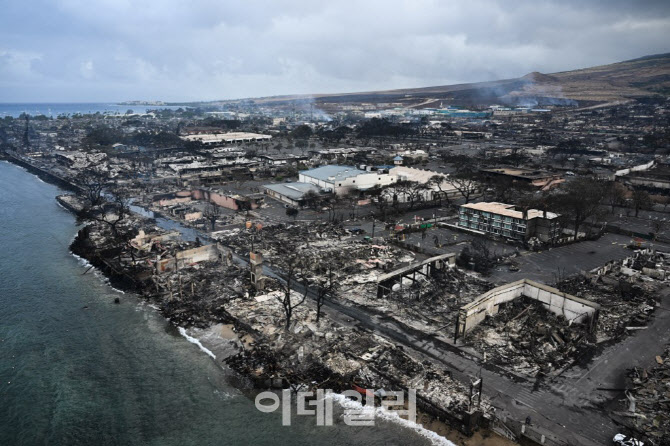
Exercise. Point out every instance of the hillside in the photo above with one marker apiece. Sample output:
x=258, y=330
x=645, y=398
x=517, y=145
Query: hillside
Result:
x=633, y=79
x=636, y=78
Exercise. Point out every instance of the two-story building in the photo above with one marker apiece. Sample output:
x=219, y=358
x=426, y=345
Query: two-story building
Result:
x=505, y=221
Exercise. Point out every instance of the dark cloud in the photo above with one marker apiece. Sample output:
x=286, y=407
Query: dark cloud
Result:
x=90, y=50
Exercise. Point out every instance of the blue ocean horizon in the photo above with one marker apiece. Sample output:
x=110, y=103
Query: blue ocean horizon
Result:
x=54, y=109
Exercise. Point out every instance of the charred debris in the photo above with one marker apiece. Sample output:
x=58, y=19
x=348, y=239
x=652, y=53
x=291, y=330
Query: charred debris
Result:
x=198, y=285
x=364, y=245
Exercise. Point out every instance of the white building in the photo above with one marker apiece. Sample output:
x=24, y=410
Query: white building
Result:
x=342, y=179
x=423, y=176
x=213, y=139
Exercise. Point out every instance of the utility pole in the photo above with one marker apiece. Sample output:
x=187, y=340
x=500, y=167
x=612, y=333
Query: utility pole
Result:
x=476, y=393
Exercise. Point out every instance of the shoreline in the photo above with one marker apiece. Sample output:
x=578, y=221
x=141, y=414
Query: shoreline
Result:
x=40, y=173
x=123, y=283
x=218, y=341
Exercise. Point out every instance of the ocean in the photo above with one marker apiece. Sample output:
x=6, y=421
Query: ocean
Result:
x=56, y=109
x=77, y=369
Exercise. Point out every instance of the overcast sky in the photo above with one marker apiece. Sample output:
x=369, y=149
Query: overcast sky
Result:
x=107, y=50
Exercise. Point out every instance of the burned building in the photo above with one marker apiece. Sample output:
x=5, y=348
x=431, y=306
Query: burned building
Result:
x=572, y=308
x=540, y=179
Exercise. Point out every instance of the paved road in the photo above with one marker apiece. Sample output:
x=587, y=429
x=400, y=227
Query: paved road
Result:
x=546, y=266
x=646, y=222
x=607, y=371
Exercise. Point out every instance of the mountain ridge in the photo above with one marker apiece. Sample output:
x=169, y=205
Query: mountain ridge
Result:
x=638, y=78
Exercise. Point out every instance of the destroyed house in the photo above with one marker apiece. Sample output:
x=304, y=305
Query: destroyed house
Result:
x=572, y=308
x=504, y=220
x=195, y=168
x=344, y=153
x=280, y=160
x=537, y=178
x=433, y=191
x=182, y=259
x=218, y=197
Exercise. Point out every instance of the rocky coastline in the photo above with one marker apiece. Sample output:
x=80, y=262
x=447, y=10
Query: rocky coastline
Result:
x=311, y=355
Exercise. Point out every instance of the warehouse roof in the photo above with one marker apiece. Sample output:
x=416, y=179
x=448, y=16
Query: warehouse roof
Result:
x=294, y=191
x=332, y=173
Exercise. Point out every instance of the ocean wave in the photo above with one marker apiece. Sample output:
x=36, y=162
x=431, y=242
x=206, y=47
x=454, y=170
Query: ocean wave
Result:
x=99, y=274
x=392, y=417
x=82, y=261
x=64, y=208
x=195, y=341
x=141, y=306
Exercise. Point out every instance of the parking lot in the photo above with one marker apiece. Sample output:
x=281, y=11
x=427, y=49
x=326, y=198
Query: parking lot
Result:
x=547, y=266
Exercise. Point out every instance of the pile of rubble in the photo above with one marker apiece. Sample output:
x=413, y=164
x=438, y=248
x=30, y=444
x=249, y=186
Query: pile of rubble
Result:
x=107, y=247
x=625, y=306
x=356, y=261
x=198, y=295
x=338, y=357
x=190, y=291
x=325, y=354
x=398, y=368
x=306, y=353
x=273, y=240
x=426, y=304
x=625, y=291
x=530, y=340
x=648, y=401
x=293, y=355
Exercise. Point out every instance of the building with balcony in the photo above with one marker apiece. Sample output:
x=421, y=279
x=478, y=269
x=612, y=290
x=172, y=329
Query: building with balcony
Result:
x=505, y=221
